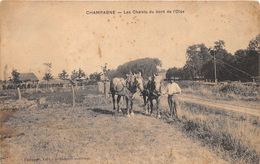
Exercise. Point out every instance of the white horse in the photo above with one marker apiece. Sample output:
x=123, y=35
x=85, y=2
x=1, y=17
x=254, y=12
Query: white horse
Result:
x=127, y=88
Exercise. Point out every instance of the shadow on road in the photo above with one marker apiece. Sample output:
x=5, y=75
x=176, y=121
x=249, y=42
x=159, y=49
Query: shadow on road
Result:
x=109, y=112
x=102, y=111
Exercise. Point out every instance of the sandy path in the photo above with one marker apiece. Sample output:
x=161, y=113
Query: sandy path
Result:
x=97, y=136
x=223, y=105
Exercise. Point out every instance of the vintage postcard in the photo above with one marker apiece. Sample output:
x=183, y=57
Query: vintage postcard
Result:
x=129, y=82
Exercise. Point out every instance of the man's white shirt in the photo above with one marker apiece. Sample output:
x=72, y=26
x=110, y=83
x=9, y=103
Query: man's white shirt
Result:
x=173, y=88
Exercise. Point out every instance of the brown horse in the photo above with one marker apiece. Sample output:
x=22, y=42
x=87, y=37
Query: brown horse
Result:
x=153, y=93
x=126, y=88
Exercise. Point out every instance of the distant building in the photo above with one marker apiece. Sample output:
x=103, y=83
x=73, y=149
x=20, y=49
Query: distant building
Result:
x=28, y=77
x=28, y=80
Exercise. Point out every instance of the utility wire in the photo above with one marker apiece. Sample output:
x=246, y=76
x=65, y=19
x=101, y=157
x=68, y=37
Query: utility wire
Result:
x=235, y=68
x=231, y=71
x=231, y=66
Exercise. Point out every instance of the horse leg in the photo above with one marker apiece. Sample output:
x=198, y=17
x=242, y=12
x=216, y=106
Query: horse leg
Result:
x=169, y=104
x=158, y=108
x=146, y=103
x=131, y=107
x=175, y=108
x=144, y=99
x=113, y=98
x=147, y=106
x=127, y=109
x=123, y=98
x=118, y=103
x=151, y=106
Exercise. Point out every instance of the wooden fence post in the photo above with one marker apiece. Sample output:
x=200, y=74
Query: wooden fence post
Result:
x=73, y=96
x=19, y=94
x=105, y=89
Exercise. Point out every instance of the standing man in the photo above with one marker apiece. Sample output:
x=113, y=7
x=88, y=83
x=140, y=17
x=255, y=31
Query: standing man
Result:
x=151, y=85
x=172, y=90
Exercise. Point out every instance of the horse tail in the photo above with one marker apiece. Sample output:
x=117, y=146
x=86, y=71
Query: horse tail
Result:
x=111, y=86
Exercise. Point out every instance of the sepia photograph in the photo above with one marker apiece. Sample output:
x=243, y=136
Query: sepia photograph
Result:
x=121, y=82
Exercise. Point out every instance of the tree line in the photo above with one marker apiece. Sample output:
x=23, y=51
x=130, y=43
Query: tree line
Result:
x=242, y=66
x=76, y=75
x=146, y=66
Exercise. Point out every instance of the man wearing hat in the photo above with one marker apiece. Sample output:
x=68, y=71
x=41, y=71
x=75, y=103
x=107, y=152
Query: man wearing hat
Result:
x=172, y=90
x=151, y=86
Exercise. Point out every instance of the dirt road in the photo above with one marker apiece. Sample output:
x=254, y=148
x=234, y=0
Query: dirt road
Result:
x=96, y=135
x=252, y=109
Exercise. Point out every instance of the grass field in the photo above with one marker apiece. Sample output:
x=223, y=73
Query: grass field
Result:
x=232, y=136
x=222, y=91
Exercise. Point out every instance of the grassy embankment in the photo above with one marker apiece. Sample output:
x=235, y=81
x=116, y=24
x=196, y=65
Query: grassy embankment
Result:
x=234, y=136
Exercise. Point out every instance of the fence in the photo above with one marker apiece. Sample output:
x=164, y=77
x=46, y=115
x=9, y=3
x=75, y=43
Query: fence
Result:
x=103, y=87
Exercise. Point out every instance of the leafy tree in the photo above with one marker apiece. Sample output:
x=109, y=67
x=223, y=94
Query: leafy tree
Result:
x=254, y=44
x=95, y=76
x=47, y=76
x=78, y=75
x=219, y=45
x=224, y=72
x=175, y=73
x=81, y=74
x=251, y=61
x=224, y=63
x=247, y=60
x=63, y=75
x=15, y=77
x=241, y=66
x=147, y=66
x=196, y=56
x=74, y=75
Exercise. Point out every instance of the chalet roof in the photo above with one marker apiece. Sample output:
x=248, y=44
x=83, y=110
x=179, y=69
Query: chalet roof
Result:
x=28, y=77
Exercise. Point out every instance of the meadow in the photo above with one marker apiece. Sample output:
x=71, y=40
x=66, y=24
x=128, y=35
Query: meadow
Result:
x=231, y=136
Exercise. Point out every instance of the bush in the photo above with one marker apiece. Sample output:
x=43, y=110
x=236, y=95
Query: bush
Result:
x=237, y=89
x=234, y=90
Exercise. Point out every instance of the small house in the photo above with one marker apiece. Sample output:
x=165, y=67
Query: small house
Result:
x=28, y=80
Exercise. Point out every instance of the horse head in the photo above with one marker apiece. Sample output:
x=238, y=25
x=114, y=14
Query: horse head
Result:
x=138, y=80
x=157, y=80
x=158, y=83
x=135, y=82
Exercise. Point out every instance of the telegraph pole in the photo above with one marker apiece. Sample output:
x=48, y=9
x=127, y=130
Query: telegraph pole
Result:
x=105, y=75
x=213, y=53
x=215, y=66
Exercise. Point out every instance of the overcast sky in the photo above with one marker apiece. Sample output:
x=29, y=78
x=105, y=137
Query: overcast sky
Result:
x=62, y=33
